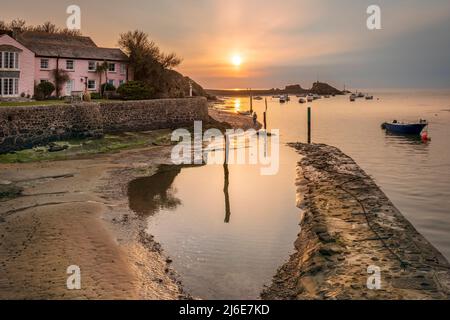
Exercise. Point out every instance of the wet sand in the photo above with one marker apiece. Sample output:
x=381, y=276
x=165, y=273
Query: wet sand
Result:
x=75, y=212
x=348, y=225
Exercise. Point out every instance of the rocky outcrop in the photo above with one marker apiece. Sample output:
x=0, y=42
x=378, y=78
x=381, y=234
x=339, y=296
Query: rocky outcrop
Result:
x=322, y=88
x=319, y=88
x=177, y=86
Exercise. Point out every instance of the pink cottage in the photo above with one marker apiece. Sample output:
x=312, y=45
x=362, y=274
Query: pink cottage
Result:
x=28, y=59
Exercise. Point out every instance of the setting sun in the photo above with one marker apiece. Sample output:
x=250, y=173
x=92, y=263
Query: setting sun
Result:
x=236, y=60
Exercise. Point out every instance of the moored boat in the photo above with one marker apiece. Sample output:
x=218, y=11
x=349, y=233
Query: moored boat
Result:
x=369, y=97
x=405, y=127
x=302, y=100
x=352, y=97
x=310, y=98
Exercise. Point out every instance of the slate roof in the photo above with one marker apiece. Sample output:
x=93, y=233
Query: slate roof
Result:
x=67, y=46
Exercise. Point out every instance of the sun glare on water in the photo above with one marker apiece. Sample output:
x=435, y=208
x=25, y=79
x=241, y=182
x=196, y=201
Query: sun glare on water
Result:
x=237, y=105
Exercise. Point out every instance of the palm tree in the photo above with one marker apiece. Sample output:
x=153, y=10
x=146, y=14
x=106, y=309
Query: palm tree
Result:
x=102, y=68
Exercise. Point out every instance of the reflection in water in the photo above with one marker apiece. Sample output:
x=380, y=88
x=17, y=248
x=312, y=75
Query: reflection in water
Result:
x=217, y=259
x=226, y=183
x=410, y=144
x=237, y=104
x=150, y=194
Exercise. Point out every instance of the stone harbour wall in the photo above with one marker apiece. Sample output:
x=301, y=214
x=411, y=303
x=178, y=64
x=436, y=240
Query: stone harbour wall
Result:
x=26, y=127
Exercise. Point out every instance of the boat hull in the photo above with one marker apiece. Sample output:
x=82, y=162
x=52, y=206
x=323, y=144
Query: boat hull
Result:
x=413, y=128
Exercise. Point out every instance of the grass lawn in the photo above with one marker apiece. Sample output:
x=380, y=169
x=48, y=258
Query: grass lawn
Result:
x=38, y=103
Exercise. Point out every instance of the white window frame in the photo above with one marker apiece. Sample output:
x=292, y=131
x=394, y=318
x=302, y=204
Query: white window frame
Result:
x=48, y=63
x=12, y=84
x=111, y=82
x=121, y=82
x=95, y=84
x=73, y=65
x=123, y=68
x=89, y=66
x=6, y=56
x=109, y=66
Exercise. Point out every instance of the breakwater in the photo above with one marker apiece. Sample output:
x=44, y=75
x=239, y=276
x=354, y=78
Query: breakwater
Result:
x=354, y=243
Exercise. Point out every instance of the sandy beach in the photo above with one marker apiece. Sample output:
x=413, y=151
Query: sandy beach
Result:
x=75, y=212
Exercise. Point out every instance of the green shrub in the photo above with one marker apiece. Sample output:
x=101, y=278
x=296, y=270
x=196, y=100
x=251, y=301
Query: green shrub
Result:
x=108, y=87
x=44, y=90
x=95, y=95
x=136, y=90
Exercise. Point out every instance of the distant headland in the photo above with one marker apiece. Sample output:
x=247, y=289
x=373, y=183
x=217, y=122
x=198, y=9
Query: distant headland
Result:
x=320, y=88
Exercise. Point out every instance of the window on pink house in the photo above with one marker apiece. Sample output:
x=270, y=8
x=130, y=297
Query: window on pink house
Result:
x=44, y=63
x=92, y=85
x=70, y=64
x=9, y=87
x=9, y=60
x=123, y=68
x=92, y=66
x=111, y=67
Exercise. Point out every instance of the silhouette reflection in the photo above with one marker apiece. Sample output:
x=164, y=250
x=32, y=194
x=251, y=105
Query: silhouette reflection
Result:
x=225, y=191
x=148, y=195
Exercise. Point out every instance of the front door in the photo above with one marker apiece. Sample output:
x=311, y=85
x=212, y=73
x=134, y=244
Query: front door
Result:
x=69, y=87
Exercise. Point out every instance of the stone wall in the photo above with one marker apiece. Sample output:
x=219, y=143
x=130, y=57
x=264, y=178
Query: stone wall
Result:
x=25, y=127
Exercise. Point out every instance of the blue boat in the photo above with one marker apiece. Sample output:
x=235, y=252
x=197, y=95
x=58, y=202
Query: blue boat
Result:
x=405, y=128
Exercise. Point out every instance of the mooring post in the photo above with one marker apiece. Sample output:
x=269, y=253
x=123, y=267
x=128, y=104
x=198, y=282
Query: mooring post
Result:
x=251, y=102
x=265, y=117
x=265, y=122
x=309, y=124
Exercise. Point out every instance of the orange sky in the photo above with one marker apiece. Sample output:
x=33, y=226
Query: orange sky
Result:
x=280, y=42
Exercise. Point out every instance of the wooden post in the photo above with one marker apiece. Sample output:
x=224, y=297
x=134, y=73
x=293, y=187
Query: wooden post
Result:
x=251, y=102
x=265, y=116
x=309, y=124
x=265, y=121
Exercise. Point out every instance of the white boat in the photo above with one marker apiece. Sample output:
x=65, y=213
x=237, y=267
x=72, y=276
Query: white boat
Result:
x=352, y=97
x=283, y=98
x=360, y=95
x=302, y=100
x=310, y=98
x=316, y=97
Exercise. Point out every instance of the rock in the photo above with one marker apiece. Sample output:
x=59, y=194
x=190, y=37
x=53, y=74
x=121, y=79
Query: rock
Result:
x=55, y=147
x=330, y=250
